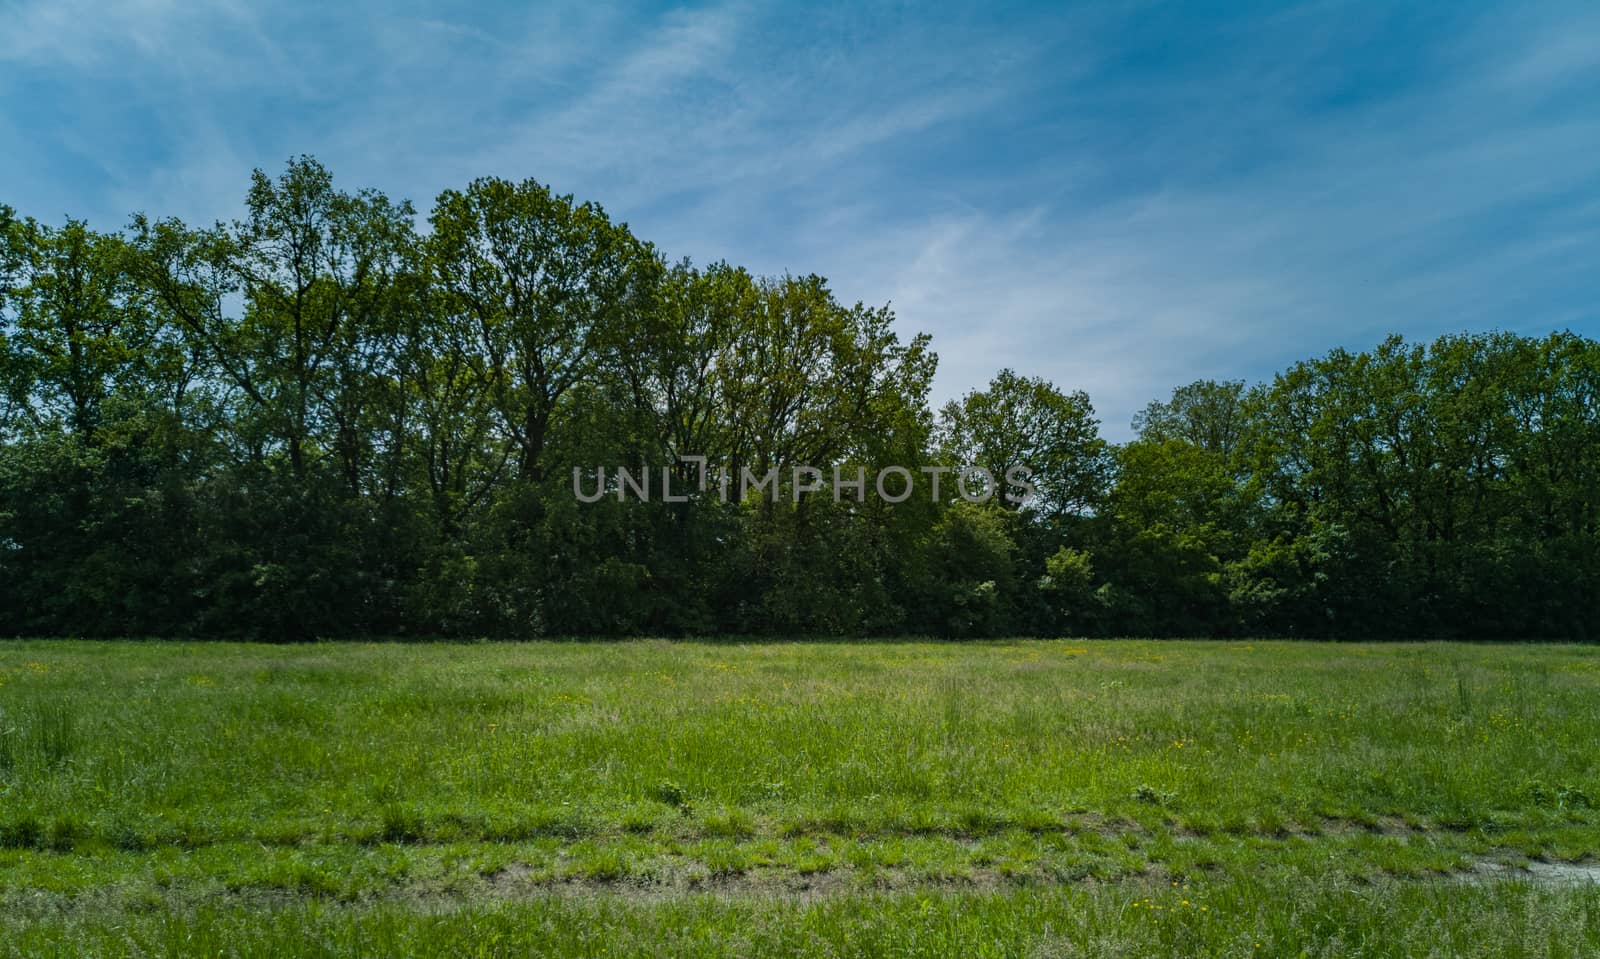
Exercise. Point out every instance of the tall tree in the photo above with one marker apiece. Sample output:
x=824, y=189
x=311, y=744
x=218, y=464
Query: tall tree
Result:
x=1025, y=422
x=550, y=284
x=78, y=327
x=1206, y=413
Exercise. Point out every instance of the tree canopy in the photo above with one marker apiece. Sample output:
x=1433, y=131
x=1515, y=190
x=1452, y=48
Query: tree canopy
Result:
x=329, y=419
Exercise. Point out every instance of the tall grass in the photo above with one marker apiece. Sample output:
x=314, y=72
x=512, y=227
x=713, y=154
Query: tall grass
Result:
x=36, y=737
x=213, y=781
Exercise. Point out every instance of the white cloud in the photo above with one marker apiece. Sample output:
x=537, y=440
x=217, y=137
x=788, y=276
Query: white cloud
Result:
x=1123, y=233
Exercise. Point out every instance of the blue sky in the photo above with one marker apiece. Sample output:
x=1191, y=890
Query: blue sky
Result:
x=1119, y=197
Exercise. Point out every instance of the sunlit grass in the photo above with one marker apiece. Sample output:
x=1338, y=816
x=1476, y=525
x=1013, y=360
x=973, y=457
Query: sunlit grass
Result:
x=198, y=776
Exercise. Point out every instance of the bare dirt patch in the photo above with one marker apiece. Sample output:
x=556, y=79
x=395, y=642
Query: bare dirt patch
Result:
x=1537, y=873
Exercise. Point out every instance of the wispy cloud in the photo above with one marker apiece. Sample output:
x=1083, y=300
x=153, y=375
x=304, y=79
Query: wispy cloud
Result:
x=1463, y=201
x=1119, y=199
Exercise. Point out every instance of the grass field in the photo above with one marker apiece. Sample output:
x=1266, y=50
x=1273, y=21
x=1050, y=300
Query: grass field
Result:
x=1029, y=798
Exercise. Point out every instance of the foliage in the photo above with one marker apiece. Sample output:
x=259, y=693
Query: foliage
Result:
x=321, y=420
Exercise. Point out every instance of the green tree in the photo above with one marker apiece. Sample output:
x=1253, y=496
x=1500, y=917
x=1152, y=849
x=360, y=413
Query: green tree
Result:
x=964, y=576
x=1025, y=422
x=1206, y=414
x=550, y=285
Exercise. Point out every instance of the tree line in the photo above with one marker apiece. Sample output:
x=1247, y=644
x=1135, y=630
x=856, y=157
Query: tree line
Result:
x=327, y=419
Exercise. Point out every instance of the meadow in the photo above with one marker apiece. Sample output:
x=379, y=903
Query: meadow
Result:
x=996, y=798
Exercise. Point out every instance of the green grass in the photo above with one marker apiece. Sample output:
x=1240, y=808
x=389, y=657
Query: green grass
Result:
x=1025, y=798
